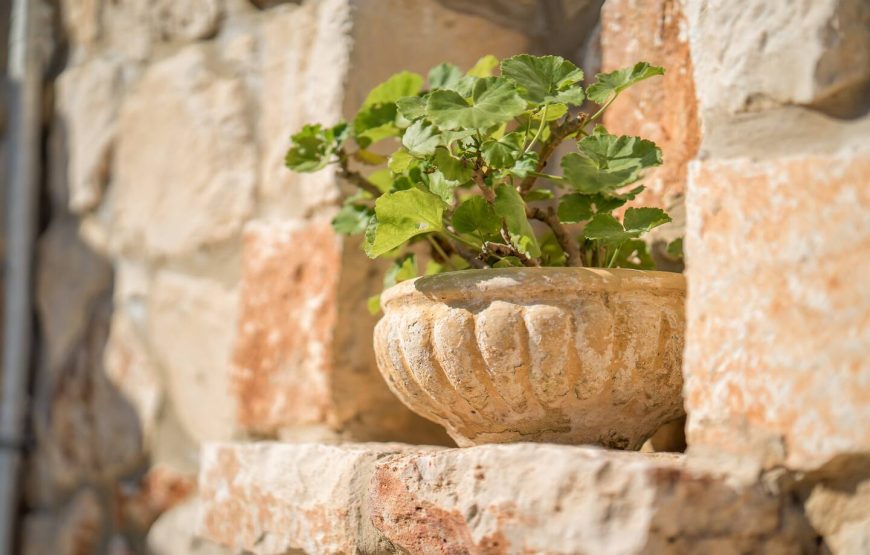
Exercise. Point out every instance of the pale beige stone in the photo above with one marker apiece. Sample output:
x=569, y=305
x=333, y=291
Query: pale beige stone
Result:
x=184, y=171
x=528, y=498
x=88, y=99
x=192, y=328
x=755, y=54
x=776, y=364
x=186, y=19
x=559, y=355
x=271, y=498
x=174, y=533
x=838, y=504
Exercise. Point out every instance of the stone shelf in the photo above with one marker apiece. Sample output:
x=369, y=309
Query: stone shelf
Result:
x=272, y=498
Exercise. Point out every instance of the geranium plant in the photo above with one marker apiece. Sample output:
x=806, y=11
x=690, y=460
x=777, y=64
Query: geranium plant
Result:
x=467, y=176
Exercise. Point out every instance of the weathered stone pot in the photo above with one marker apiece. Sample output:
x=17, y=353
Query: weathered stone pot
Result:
x=562, y=355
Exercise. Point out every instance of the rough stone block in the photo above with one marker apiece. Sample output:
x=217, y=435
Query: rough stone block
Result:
x=662, y=109
x=269, y=498
x=754, y=54
x=776, y=360
x=522, y=498
x=184, y=170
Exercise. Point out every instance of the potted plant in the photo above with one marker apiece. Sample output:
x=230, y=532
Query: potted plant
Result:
x=537, y=317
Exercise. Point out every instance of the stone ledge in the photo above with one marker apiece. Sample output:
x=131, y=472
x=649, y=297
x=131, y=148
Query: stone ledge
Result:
x=270, y=498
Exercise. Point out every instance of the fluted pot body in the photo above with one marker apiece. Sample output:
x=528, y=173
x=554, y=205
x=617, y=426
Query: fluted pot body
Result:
x=562, y=355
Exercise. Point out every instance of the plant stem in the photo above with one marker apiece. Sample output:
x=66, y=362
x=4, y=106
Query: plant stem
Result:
x=440, y=251
x=613, y=258
x=549, y=217
x=600, y=111
x=501, y=250
x=548, y=176
x=355, y=177
x=558, y=133
x=540, y=130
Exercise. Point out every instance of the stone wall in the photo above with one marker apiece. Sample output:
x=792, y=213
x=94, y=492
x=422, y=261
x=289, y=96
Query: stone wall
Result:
x=191, y=290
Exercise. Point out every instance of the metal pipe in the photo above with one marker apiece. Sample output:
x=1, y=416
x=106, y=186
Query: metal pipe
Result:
x=24, y=140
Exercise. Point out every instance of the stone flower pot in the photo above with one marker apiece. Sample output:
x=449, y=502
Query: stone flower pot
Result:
x=562, y=355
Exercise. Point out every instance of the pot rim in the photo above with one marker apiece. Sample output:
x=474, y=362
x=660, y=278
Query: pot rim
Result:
x=515, y=284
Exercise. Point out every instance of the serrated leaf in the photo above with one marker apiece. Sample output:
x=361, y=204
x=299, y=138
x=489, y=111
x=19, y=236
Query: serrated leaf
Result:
x=400, y=161
x=421, y=138
x=604, y=227
x=442, y=186
x=509, y=205
x=575, y=208
x=382, y=179
x=397, y=86
x=453, y=168
x=526, y=164
x=675, y=248
x=552, y=112
x=375, y=123
x=352, y=219
x=476, y=215
x=634, y=254
x=402, y=269
x=504, y=152
x=545, y=79
x=640, y=220
x=411, y=107
x=484, y=66
x=494, y=100
x=444, y=76
x=402, y=215
x=607, y=162
x=608, y=85
x=313, y=146
x=551, y=251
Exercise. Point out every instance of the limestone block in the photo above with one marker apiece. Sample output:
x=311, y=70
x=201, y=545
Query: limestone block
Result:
x=186, y=20
x=662, y=109
x=131, y=369
x=141, y=501
x=76, y=528
x=837, y=503
x=303, y=358
x=776, y=351
x=525, y=498
x=192, y=328
x=750, y=55
x=174, y=534
x=270, y=498
x=184, y=172
x=88, y=96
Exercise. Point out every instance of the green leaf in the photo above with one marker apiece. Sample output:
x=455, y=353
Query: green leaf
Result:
x=411, y=107
x=608, y=85
x=400, y=161
x=442, y=186
x=526, y=164
x=634, y=254
x=508, y=262
x=369, y=158
x=374, y=304
x=444, y=76
x=510, y=206
x=553, y=112
x=484, y=66
x=606, y=228
x=402, y=215
x=382, y=179
x=421, y=138
x=675, y=248
x=313, y=146
x=352, y=219
x=575, y=208
x=504, y=152
x=551, y=251
x=402, y=269
x=375, y=123
x=494, y=100
x=398, y=86
x=475, y=214
x=607, y=162
x=544, y=79
x=538, y=194
x=640, y=220
x=453, y=168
